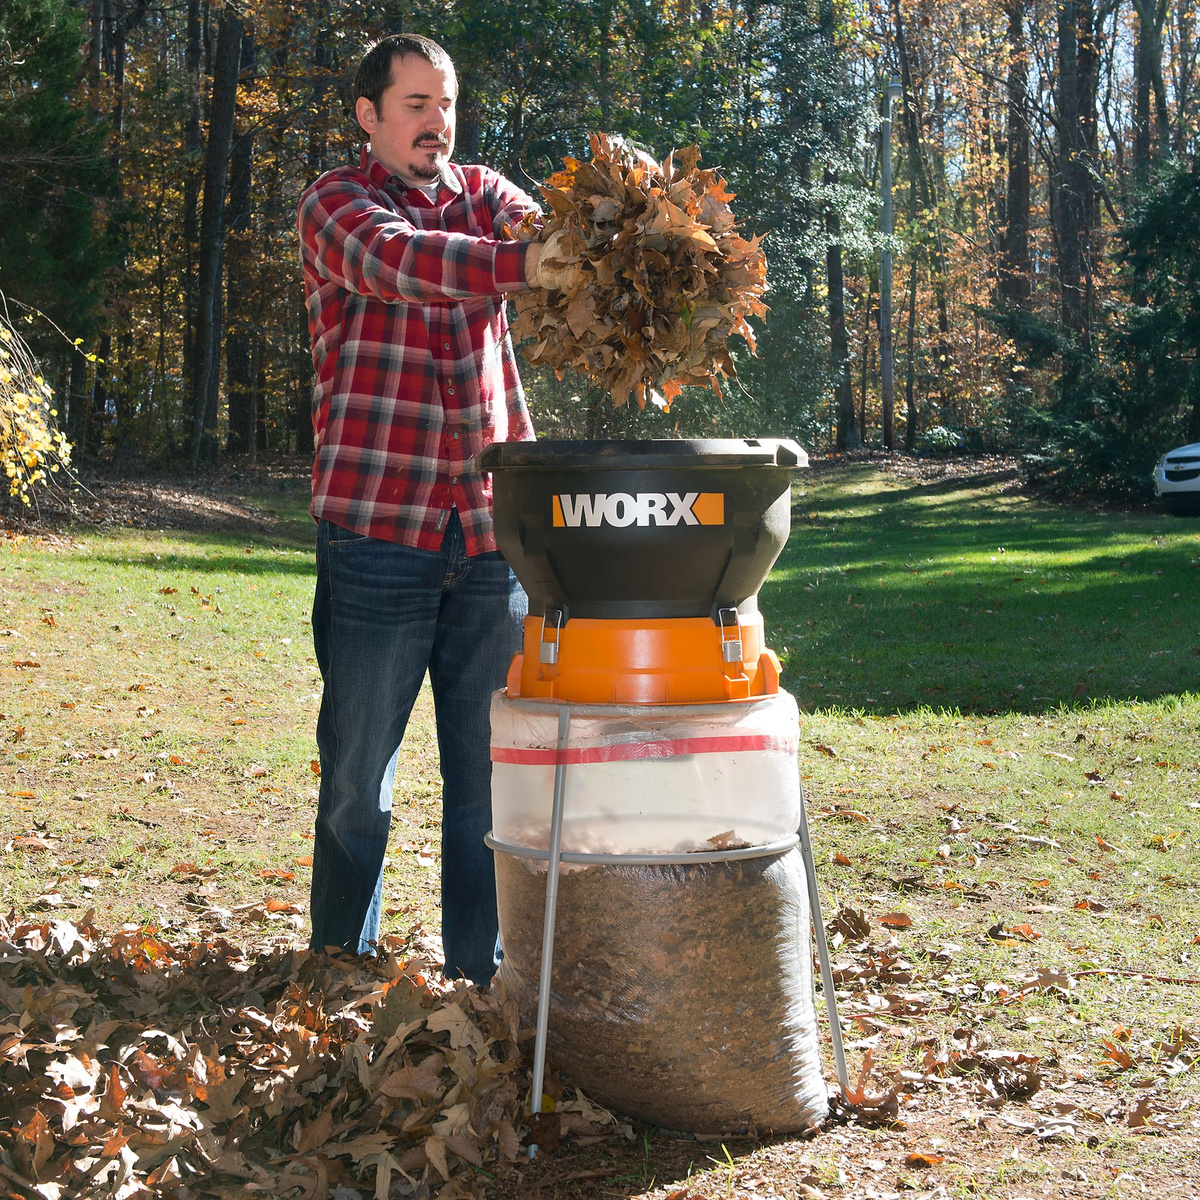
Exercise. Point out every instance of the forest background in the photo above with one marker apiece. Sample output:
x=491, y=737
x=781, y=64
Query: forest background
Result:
x=1046, y=166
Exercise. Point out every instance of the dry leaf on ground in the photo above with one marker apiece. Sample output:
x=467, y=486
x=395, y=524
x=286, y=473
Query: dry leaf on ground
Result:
x=128, y=1065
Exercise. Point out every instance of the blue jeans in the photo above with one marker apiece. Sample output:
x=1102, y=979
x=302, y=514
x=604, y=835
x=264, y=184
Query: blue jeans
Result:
x=383, y=614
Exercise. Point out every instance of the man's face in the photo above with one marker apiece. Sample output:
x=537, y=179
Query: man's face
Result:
x=412, y=134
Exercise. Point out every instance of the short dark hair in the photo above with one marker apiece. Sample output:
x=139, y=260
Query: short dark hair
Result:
x=374, y=74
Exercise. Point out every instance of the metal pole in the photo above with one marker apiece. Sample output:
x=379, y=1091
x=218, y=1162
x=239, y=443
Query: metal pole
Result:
x=818, y=921
x=887, y=383
x=543, y=1009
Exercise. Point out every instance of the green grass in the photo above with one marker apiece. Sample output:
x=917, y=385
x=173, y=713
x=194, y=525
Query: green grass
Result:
x=1000, y=720
x=1000, y=711
x=994, y=686
x=965, y=594
x=170, y=720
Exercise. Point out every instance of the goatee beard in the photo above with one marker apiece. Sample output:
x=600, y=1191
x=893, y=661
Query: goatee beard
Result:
x=434, y=144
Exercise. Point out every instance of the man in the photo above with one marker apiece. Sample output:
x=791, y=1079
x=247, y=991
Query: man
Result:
x=405, y=274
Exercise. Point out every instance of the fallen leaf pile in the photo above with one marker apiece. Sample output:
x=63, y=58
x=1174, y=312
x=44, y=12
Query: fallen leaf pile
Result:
x=663, y=277
x=131, y=1067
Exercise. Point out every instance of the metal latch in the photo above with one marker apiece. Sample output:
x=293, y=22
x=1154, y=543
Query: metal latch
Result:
x=548, y=651
x=731, y=645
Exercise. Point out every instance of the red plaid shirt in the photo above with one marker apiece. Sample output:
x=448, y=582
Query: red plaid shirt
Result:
x=415, y=366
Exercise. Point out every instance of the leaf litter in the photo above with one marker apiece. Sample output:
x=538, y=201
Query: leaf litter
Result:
x=130, y=1066
x=133, y=1067
x=924, y=1001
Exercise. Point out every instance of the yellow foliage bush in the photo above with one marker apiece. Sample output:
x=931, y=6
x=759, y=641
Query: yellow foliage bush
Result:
x=31, y=449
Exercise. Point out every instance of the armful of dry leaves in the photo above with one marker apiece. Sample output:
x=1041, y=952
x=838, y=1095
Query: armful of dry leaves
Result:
x=663, y=277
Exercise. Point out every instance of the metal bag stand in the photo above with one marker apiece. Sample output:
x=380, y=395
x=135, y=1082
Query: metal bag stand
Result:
x=543, y=1009
x=555, y=856
x=818, y=921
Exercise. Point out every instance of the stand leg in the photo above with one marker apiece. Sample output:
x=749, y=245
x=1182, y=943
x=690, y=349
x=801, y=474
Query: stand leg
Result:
x=543, y=1009
x=814, y=902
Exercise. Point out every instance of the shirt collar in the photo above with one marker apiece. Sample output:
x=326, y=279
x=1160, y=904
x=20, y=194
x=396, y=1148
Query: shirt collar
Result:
x=380, y=175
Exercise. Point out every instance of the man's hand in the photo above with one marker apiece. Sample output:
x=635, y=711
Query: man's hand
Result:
x=545, y=267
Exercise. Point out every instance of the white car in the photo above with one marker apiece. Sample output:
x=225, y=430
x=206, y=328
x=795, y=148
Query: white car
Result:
x=1177, y=479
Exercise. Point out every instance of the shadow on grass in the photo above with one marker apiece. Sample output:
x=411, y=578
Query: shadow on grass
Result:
x=290, y=550
x=959, y=594
x=897, y=492
x=200, y=510
x=266, y=562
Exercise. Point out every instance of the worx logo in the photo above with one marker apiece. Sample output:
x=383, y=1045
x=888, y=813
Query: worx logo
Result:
x=621, y=509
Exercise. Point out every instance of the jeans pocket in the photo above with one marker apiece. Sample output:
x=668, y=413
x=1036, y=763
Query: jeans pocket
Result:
x=339, y=537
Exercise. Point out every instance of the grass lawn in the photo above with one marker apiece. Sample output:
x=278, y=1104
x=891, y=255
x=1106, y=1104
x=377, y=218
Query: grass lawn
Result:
x=159, y=700
x=1000, y=744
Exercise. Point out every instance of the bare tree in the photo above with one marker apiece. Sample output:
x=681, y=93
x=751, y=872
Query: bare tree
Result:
x=239, y=367
x=1014, y=282
x=216, y=169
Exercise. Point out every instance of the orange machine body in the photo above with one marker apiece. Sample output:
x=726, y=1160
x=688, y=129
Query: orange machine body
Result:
x=690, y=660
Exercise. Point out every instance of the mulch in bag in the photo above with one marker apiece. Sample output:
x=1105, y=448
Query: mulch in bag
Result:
x=681, y=994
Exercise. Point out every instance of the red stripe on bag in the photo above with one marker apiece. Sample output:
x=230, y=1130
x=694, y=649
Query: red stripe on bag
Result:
x=625, y=751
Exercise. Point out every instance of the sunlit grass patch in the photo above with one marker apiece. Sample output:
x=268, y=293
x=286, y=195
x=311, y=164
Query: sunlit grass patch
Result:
x=967, y=595
x=169, y=722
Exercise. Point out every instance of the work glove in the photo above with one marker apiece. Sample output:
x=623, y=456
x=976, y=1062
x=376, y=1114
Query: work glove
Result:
x=553, y=271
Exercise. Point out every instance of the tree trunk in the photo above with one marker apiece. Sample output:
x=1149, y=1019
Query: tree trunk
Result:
x=865, y=365
x=98, y=416
x=911, y=415
x=191, y=192
x=1077, y=195
x=216, y=167
x=1142, y=72
x=317, y=143
x=912, y=130
x=303, y=422
x=239, y=318
x=1147, y=80
x=849, y=436
x=1070, y=254
x=887, y=357
x=302, y=414
x=1184, y=102
x=604, y=15
x=257, y=406
x=211, y=446
x=1015, y=266
x=1089, y=129
x=594, y=418
x=122, y=400
x=77, y=401
x=95, y=65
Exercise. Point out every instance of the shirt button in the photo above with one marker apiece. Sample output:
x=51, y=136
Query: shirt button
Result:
x=454, y=436
x=445, y=345
x=453, y=478
x=449, y=391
